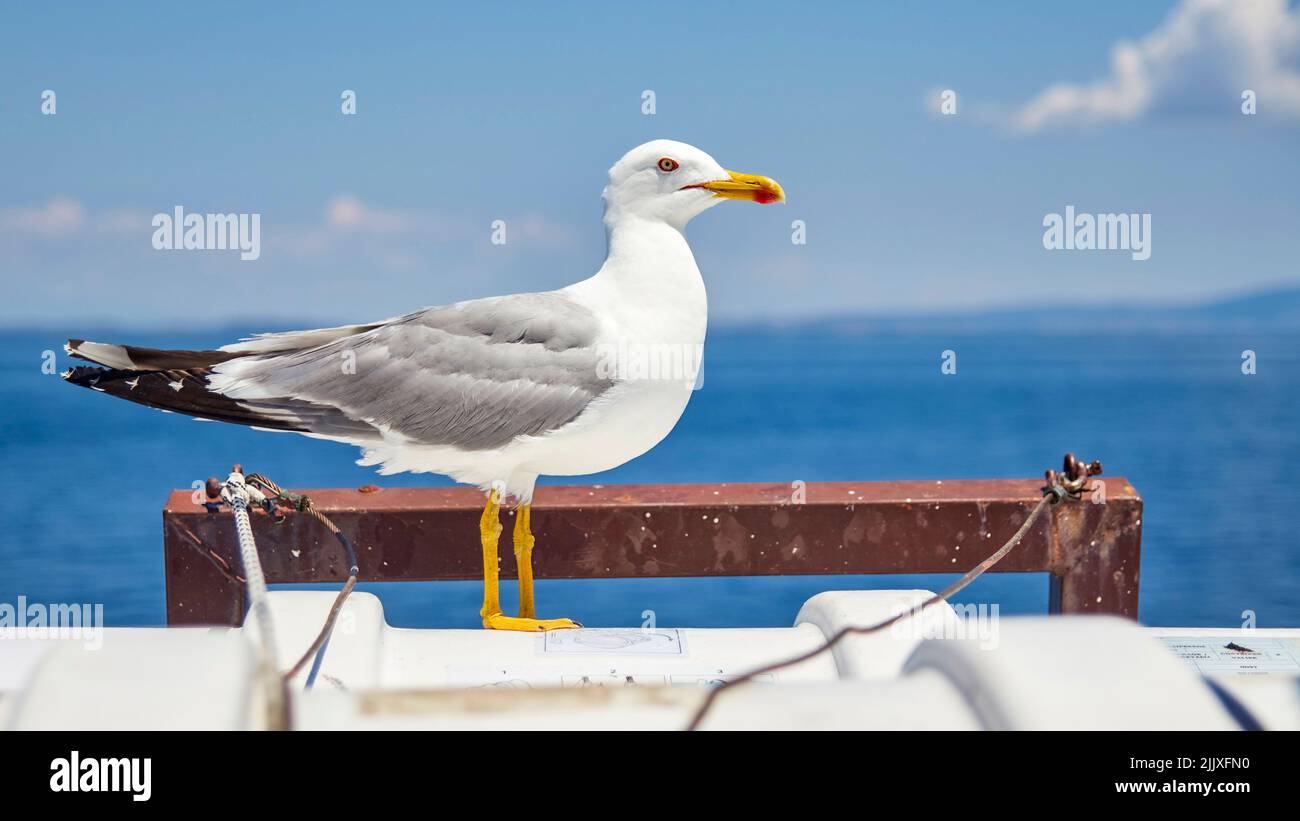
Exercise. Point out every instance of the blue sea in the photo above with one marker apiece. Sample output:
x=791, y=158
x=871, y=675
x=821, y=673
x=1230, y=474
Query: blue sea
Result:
x=1214, y=452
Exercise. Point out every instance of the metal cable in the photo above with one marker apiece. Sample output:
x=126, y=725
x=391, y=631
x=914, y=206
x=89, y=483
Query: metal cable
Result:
x=317, y=648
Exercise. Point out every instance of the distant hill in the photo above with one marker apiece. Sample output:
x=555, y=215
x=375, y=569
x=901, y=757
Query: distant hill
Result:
x=1265, y=306
x=1277, y=310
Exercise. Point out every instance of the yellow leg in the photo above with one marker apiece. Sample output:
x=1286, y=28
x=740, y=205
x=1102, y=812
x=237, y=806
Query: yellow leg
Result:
x=489, y=528
x=490, y=532
x=524, y=559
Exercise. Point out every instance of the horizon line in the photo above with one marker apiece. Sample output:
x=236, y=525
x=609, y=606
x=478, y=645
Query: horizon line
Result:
x=984, y=312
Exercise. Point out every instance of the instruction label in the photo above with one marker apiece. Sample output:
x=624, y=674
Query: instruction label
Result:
x=614, y=642
x=1237, y=655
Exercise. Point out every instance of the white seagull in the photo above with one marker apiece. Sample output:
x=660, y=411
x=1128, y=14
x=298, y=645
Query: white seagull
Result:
x=491, y=392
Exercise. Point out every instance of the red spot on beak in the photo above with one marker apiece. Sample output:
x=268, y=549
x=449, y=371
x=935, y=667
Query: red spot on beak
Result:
x=763, y=197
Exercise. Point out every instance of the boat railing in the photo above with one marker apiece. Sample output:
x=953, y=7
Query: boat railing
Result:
x=1090, y=548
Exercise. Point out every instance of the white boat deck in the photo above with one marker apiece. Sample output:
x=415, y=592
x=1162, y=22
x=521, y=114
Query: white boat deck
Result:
x=939, y=672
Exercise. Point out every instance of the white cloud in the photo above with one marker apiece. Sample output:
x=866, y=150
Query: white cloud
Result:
x=347, y=229
x=404, y=237
x=1198, y=61
x=346, y=213
x=63, y=217
x=535, y=229
x=59, y=217
x=349, y=223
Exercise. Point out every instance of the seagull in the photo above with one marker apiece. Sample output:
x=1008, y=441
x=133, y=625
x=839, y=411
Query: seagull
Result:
x=491, y=392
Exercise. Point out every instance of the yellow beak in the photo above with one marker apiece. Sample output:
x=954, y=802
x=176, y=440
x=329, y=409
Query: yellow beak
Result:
x=751, y=187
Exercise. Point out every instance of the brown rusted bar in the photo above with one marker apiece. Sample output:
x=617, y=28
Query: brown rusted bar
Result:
x=1091, y=549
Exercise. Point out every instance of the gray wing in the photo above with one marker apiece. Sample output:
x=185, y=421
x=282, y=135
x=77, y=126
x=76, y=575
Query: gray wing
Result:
x=473, y=375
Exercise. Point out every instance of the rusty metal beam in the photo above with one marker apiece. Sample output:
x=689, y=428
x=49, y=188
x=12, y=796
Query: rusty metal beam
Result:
x=1091, y=550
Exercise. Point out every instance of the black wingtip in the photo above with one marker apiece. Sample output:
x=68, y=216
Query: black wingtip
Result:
x=84, y=375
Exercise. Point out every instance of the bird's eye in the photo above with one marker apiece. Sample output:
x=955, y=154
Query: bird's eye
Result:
x=667, y=165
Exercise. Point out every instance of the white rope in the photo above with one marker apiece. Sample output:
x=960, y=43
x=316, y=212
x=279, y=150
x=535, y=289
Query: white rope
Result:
x=238, y=494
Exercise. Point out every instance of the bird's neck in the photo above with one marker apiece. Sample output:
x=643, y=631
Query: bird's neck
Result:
x=650, y=261
x=649, y=254
x=650, y=272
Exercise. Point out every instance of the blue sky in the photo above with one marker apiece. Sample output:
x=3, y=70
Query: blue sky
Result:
x=468, y=113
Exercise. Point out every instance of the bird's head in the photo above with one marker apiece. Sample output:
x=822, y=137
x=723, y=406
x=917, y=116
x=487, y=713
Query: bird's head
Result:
x=671, y=181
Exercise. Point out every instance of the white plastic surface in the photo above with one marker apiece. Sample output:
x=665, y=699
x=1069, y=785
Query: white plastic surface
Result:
x=926, y=701
x=1074, y=673
x=142, y=679
x=1023, y=673
x=366, y=653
